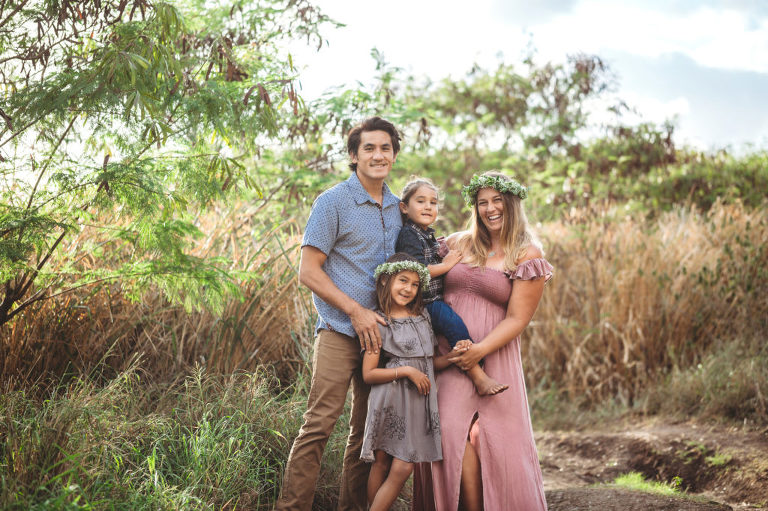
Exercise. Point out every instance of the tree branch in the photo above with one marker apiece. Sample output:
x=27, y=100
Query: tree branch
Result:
x=50, y=158
x=29, y=278
x=17, y=9
x=38, y=296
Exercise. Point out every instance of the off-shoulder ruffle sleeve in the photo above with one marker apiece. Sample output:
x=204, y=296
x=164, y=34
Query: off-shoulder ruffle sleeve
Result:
x=532, y=269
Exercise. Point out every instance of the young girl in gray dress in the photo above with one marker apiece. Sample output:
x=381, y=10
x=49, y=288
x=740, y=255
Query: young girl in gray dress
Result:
x=402, y=427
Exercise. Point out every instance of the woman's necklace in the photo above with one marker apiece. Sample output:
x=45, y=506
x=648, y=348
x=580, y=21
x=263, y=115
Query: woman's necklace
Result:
x=491, y=253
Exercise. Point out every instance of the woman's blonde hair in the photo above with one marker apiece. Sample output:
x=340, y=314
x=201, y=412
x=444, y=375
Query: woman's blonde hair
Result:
x=516, y=233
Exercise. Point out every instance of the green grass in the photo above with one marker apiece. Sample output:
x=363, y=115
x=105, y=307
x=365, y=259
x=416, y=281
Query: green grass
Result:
x=636, y=481
x=729, y=383
x=718, y=459
x=203, y=442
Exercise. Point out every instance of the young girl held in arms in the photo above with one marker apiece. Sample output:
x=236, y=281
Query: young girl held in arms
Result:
x=419, y=205
x=402, y=427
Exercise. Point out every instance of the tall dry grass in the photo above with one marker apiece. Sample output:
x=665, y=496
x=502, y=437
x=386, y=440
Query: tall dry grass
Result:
x=634, y=299
x=100, y=329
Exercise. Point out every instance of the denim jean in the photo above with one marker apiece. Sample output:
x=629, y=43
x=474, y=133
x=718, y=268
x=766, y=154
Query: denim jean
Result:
x=447, y=323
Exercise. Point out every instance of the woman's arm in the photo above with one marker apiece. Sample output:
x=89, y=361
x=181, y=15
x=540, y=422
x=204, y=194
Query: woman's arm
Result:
x=525, y=298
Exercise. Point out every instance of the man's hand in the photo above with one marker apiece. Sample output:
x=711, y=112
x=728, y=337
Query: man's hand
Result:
x=366, y=324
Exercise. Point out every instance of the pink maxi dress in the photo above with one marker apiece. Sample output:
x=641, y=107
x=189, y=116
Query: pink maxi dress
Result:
x=502, y=435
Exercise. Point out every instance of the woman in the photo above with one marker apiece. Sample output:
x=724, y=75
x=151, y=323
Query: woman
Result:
x=489, y=455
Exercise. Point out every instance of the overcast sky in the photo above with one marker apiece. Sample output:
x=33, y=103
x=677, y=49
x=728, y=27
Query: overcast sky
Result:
x=704, y=63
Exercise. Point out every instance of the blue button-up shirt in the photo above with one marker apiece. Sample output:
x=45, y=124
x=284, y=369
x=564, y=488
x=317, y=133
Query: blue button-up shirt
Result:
x=356, y=234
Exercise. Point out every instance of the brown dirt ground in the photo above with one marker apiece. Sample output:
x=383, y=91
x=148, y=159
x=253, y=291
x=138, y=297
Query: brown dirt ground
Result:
x=721, y=467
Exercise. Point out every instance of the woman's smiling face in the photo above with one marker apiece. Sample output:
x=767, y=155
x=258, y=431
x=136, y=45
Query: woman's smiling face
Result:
x=490, y=209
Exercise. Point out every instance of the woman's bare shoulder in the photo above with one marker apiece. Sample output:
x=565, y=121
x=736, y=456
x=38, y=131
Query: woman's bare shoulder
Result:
x=454, y=238
x=531, y=252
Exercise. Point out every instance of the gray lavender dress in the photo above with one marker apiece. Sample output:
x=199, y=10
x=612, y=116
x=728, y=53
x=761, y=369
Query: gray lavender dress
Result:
x=401, y=421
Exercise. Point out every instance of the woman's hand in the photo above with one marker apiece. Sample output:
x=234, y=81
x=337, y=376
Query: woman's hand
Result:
x=469, y=358
x=419, y=379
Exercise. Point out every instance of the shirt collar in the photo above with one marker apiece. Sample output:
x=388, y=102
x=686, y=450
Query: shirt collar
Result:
x=362, y=196
x=427, y=231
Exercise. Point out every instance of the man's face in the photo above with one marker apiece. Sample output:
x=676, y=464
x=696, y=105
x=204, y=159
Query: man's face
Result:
x=375, y=156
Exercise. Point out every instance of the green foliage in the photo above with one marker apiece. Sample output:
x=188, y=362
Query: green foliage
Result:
x=729, y=383
x=201, y=443
x=636, y=481
x=144, y=112
x=532, y=122
x=718, y=459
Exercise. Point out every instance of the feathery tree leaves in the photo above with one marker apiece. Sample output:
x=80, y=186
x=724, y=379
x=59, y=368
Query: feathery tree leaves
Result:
x=140, y=111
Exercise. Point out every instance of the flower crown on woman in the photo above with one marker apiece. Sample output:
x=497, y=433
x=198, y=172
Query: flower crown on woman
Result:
x=397, y=267
x=501, y=184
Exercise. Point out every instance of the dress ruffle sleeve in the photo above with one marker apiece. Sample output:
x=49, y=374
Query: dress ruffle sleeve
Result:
x=532, y=269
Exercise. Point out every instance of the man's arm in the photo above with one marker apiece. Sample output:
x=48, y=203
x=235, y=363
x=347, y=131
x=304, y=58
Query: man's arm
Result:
x=364, y=321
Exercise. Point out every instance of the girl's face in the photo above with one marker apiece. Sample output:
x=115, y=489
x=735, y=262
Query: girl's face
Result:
x=490, y=209
x=405, y=287
x=421, y=207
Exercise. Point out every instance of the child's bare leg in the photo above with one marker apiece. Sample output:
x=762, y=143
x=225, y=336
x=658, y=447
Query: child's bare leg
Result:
x=399, y=472
x=378, y=473
x=485, y=385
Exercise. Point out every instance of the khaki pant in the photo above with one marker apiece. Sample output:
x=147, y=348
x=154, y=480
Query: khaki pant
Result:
x=336, y=361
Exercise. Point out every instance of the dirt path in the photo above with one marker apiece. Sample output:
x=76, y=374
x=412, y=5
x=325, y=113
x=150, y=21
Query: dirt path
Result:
x=720, y=466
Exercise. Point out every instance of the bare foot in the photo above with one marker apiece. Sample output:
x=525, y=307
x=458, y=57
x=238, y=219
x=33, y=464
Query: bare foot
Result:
x=485, y=385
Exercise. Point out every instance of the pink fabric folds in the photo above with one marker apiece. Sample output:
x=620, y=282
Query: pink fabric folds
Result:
x=502, y=434
x=531, y=269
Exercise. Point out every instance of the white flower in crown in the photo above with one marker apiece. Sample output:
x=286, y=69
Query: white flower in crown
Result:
x=392, y=268
x=498, y=183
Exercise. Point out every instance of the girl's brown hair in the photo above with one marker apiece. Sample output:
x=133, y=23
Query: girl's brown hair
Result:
x=384, y=285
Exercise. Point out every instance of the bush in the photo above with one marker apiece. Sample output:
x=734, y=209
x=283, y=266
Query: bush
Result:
x=632, y=299
x=203, y=442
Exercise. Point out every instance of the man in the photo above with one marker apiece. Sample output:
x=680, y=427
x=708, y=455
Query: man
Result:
x=352, y=228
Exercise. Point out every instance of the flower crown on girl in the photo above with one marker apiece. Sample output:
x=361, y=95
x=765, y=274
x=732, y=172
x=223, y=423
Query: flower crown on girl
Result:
x=501, y=184
x=397, y=267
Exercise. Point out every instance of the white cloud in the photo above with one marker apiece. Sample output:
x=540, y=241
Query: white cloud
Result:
x=426, y=37
x=719, y=38
x=637, y=38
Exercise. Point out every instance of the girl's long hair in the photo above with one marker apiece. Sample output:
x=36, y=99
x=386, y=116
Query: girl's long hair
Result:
x=516, y=233
x=384, y=289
